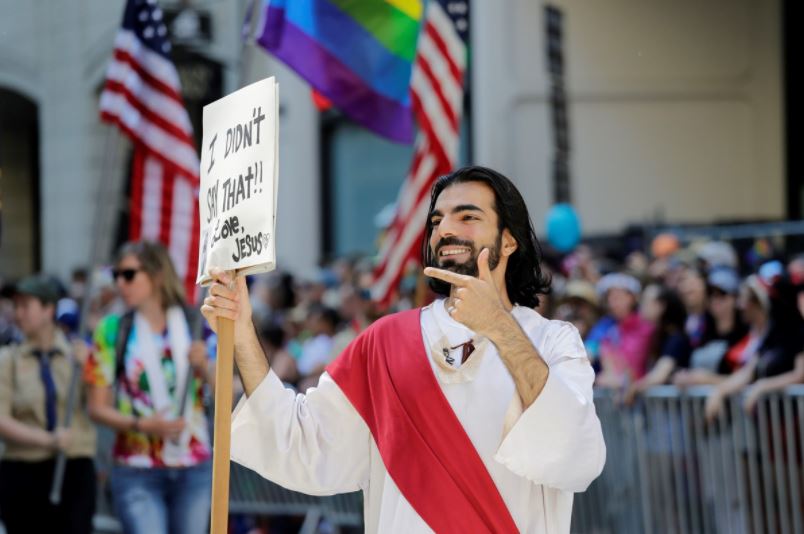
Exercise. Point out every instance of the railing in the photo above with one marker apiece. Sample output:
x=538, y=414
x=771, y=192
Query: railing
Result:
x=668, y=470
x=252, y=494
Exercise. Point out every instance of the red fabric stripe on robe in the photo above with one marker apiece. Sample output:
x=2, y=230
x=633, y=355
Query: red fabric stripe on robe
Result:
x=386, y=375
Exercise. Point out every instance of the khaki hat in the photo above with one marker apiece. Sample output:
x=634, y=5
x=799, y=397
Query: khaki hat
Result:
x=40, y=286
x=580, y=289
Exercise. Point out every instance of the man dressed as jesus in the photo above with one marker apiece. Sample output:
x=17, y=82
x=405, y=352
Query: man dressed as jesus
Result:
x=473, y=414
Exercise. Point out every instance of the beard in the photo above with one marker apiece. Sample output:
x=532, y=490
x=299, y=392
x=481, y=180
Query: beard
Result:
x=468, y=267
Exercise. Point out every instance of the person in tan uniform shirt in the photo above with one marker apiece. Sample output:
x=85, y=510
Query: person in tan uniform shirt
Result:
x=34, y=382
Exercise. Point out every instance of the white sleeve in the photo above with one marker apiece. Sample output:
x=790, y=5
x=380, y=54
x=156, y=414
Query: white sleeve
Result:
x=315, y=443
x=557, y=441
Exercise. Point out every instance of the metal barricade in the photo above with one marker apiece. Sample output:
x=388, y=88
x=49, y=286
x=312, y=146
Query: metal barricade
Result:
x=251, y=494
x=668, y=470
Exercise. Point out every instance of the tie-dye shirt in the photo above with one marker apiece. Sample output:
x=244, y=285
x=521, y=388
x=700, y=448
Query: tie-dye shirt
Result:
x=133, y=396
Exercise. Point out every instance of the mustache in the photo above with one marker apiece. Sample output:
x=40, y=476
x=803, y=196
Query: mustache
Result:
x=453, y=241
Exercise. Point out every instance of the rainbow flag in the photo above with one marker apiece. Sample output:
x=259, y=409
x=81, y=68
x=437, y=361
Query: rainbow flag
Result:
x=357, y=53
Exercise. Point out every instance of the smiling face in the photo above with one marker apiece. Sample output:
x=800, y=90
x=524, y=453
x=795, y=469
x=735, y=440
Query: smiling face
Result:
x=464, y=222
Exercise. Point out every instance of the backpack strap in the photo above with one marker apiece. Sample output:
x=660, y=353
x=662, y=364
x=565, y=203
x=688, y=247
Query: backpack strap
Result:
x=194, y=322
x=123, y=333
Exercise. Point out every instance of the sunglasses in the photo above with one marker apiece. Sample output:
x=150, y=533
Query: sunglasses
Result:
x=127, y=274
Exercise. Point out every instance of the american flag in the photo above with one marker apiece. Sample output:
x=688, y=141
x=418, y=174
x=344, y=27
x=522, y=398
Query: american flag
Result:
x=142, y=97
x=437, y=95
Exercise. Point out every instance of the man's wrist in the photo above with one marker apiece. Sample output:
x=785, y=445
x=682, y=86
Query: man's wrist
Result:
x=502, y=326
x=243, y=327
x=244, y=335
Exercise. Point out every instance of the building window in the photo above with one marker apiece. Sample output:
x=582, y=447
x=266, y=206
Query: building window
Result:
x=20, y=207
x=362, y=176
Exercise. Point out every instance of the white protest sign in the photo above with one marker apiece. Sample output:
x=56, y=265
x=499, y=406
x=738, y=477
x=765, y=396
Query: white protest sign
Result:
x=239, y=173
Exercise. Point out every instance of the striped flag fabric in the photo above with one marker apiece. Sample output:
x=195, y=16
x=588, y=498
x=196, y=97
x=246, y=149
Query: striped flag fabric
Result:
x=142, y=97
x=357, y=53
x=437, y=99
x=164, y=208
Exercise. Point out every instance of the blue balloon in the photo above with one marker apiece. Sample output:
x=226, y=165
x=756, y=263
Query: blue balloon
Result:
x=563, y=227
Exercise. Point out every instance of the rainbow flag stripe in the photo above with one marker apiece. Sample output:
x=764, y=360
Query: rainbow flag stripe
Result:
x=357, y=53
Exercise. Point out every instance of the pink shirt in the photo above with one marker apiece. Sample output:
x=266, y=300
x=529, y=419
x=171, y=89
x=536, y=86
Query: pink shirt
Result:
x=625, y=347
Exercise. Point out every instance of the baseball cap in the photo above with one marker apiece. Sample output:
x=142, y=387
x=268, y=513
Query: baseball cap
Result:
x=718, y=254
x=724, y=279
x=770, y=271
x=40, y=286
x=619, y=281
x=68, y=313
x=581, y=289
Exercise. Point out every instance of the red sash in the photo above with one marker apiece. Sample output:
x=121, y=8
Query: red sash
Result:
x=387, y=377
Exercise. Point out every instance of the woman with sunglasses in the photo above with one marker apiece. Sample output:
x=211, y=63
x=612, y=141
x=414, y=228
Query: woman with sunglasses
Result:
x=146, y=375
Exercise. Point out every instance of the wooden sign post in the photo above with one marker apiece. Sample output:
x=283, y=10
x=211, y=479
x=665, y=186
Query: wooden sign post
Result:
x=223, y=424
x=237, y=201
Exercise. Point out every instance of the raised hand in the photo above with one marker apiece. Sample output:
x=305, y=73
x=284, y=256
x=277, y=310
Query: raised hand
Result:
x=228, y=298
x=474, y=302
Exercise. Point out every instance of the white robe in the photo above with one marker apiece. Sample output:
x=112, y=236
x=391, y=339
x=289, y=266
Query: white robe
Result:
x=318, y=444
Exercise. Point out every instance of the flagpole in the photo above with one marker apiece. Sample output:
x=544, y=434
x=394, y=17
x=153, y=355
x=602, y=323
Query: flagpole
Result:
x=107, y=202
x=246, y=45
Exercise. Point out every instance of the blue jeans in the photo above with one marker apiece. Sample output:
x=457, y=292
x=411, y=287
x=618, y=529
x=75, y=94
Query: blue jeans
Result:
x=163, y=500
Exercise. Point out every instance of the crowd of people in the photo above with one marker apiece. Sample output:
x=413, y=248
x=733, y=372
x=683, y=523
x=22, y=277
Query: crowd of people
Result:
x=695, y=315
x=689, y=316
x=142, y=373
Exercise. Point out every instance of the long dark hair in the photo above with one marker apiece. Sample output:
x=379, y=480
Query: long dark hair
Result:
x=672, y=320
x=524, y=279
x=786, y=329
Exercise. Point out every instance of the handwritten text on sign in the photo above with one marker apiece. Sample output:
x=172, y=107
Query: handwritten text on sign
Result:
x=238, y=181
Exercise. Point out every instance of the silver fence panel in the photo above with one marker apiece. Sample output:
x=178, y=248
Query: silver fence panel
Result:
x=794, y=463
x=669, y=470
x=252, y=494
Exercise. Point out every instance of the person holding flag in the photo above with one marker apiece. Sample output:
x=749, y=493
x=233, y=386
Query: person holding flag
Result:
x=35, y=379
x=472, y=414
